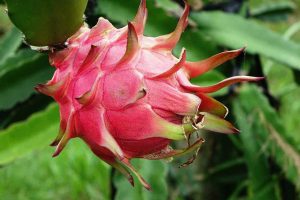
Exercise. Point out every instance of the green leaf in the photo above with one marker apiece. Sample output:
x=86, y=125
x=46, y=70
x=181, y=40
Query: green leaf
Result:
x=168, y=5
x=30, y=135
x=76, y=173
x=16, y=60
x=289, y=113
x=279, y=85
x=273, y=10
x=197, y=45
x=241, y=32
x=47, y=22
x=268, y=129
x=261, y=185
x=154, y=172
x=19, y=74
x=9, y=44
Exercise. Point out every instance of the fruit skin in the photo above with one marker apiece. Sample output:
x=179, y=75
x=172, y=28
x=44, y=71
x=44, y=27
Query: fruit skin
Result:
x=127, y=96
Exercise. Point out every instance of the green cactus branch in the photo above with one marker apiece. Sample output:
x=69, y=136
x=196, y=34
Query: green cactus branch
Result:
x=47, y=22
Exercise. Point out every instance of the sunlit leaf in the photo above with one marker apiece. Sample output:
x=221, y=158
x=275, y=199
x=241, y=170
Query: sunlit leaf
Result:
x=30, y=135
x=76, y=169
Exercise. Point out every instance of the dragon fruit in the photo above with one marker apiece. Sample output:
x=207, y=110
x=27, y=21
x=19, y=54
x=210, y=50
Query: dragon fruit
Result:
x=127, y=96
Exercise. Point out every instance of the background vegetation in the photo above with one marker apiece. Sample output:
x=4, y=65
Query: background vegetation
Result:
x=262, y=163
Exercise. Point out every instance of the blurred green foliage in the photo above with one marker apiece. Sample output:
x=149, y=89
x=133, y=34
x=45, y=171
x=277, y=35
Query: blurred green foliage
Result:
x=76, y=174
x=263, y=162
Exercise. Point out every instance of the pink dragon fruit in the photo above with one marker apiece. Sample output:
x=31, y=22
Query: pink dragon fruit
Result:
x=127, y=96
